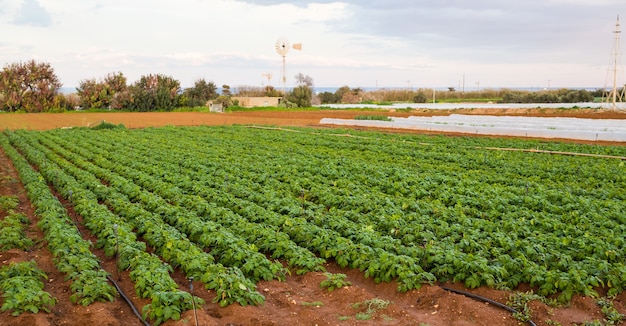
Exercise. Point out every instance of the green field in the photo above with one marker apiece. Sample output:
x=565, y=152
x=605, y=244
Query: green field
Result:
x=226, y=204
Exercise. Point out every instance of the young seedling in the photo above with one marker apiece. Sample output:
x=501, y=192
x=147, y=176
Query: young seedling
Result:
x=334, y=281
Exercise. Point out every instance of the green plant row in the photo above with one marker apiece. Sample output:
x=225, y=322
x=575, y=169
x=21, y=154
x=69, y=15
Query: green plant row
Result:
x=172, y=246
x=454, y=265
x=22, y=287
x=72, y=254
x=213, y=232
x=12, y=235
x=593, y=261
x=150, y=276
x=378, y=264
x=373, y=117
x=399, y=207
x=379, y=268
x=228, y=249
x=491, y=275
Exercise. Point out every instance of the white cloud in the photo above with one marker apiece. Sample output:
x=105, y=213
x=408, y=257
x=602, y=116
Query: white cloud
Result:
x=33, y=14
x=361, y=42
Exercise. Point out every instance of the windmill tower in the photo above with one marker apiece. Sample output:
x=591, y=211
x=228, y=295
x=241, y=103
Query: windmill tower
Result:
x=282, y=47
x=617, y=95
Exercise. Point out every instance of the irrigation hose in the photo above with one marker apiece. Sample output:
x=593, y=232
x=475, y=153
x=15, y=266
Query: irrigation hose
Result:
x=119, y=290
x=477, y=297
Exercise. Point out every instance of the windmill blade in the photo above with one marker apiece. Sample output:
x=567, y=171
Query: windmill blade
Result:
x=282, y=46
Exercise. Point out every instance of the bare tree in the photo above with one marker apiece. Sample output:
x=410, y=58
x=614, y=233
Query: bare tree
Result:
x=304, y=80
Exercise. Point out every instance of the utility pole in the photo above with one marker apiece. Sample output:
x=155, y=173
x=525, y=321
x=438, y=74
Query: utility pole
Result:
x=615, y=95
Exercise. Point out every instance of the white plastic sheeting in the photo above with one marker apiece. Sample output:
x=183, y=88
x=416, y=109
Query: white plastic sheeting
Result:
x=553, y=127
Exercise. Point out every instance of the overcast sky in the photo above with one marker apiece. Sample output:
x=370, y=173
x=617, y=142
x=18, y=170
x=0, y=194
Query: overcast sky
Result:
x=364, y=43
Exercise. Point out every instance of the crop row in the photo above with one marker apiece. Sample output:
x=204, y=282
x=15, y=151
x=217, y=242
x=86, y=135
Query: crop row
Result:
x=396, y=207
x=376, y=262
x=12, y=235
x=150, y=276
x=170, y=244
x=452, y=202
x=72, y=254
x=21, y=284
x=522, y=244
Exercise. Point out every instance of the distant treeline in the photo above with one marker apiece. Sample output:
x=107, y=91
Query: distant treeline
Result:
x=34, y=87
x=349, y=95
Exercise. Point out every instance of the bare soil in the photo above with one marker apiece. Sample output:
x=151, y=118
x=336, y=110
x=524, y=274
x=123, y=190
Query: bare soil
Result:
x=297, y=301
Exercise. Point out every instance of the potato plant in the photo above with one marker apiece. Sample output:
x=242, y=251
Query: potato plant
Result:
x=222, y=204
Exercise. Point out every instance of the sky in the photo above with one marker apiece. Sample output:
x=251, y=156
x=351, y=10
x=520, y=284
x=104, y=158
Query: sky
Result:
x=360, y=43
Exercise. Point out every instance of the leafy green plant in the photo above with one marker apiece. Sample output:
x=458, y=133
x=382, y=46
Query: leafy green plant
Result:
x=613, y=316
x=334, y=281
x=107, y=125
x=22, y=287
x=90, y=286
x=519, y=301
x=168, y=305
x=12, y=233
x=8, y=203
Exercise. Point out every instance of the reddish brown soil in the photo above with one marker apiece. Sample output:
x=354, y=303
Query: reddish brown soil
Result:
x=289, y=302
x=42, y=121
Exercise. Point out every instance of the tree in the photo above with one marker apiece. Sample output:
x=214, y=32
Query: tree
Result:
x=328, y=98
x=302, y=94
x=226, y=90
x=348, y=95
x=106, y=94
x=64, y=102
x=420, y=97
x=153, y=93
x=29, y=87
x=340, y=92
x=304, y=80
x=199, y=94
x=224, y=100
x=270, y=91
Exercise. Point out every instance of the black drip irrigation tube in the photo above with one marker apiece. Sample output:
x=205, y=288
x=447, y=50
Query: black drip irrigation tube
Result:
x=135, y=311
x=477, y=297
x=117, y=287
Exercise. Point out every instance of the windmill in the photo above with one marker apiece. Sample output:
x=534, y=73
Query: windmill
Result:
x=282, y=47
x=267, y=75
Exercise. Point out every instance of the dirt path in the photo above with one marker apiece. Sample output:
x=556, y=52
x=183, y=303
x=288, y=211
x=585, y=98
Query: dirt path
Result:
x=43, y=121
